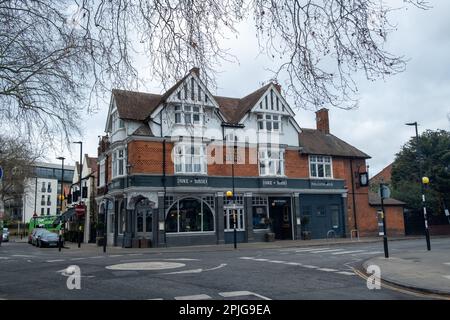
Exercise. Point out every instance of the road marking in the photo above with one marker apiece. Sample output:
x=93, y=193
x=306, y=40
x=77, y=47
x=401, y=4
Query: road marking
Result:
x=260, y=259
x=156, y=299
x=5, y=258
x=182, y=259
x=276, y=261
x=197, y=270
x=447, y=263
x=194, y=297
x=246, y=258
x=96, y=257
x=294, y=263
x=325, y=251
x=241, y=293
x=346, y=252
x=447, y=277
x=310, y=266
x=306, y=250
x=57, y=260
x=23, y=255
x=373, y=252
x=75, y=259
x=115, y=255
x=135, y=254
x=327, y=269
x=346, y=273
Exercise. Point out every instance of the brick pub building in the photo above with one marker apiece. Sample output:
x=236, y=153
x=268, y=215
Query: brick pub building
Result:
x=168, y=160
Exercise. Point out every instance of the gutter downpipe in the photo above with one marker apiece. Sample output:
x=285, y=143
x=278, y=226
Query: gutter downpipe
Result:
x=353, y=195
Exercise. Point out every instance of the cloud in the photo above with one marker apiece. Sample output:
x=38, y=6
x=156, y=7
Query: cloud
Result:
x=421, y=93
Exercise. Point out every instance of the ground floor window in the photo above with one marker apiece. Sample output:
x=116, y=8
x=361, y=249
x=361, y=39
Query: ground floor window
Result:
x=231, y=216
x=260, y=213
x=189, y=215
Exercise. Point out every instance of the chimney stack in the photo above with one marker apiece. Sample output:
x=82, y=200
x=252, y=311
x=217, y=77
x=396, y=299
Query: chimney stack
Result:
x=322, y=121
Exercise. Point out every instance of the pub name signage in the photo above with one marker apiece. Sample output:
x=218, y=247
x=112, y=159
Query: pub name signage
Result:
x=268, y=183
x=189, y=181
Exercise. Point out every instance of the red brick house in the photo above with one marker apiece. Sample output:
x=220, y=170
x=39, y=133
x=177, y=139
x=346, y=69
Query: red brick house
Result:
x=168, y=160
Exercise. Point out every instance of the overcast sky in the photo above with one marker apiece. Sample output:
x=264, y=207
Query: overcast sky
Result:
x=377, y=127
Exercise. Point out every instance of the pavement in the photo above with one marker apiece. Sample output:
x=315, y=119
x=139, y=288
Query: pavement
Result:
x=226, y=247
x=419, y=270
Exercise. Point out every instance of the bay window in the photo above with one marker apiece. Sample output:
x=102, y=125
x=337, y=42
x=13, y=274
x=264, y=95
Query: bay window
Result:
x=118, y=163
x=320, y=167
x=271, y=162
x=101, y=178
x=190, y=158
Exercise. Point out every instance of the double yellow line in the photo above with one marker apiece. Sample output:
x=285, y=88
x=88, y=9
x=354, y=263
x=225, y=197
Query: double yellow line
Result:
x=404, y=290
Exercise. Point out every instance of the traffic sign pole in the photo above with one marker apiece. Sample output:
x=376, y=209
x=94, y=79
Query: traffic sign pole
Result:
x=384, y=191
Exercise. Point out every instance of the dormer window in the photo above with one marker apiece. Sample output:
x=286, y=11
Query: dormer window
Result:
x=188, y=114
x=269, y=122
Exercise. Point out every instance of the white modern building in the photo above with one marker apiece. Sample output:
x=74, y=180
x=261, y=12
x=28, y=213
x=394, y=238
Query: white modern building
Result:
x=42, y=191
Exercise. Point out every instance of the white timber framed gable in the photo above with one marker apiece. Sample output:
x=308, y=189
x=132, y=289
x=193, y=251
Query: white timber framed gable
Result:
x=272, y=120
x=189, y=111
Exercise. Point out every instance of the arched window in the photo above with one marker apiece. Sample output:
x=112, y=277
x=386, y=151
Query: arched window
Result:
x=189, y=215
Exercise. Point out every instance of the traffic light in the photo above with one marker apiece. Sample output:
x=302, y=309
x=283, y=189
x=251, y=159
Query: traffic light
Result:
x=229, y=195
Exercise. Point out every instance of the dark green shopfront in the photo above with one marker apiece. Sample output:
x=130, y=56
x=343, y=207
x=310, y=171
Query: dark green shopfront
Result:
x=149, y=210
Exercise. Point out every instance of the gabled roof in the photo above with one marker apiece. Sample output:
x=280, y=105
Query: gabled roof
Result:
x=91, y=163
x=234, y=109
x=134, y=105
x=143, y=130
x=384, y=174
x=316, y=142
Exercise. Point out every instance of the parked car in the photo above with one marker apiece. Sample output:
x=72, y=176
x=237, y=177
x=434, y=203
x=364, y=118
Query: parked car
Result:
x=5, y=235
x=47, y=239
x=37, y=232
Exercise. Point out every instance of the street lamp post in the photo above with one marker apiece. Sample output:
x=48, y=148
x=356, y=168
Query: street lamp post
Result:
x=61, y=202
x=81, y=192
x=424, y=180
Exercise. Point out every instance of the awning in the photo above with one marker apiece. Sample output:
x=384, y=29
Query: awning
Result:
x=65, y=216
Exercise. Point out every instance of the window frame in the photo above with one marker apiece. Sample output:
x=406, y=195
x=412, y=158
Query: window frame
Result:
x=184, y=111
x=102, y=173
x=119, y=161
x=182, y=160
x=314, y=161
x=265, y=120
x=267, y=160
x=203, y=203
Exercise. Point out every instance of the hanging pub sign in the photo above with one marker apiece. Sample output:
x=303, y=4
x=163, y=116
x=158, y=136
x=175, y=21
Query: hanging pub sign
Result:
x=363, y=179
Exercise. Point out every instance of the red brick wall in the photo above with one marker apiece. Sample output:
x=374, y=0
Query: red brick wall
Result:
x=219, y=167
x=296, y=165
x=394, y=221
x=147, y=157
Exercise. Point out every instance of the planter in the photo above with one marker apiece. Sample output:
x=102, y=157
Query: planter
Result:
x=269, y=237
x=306, y=235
